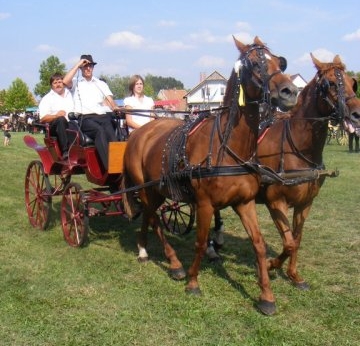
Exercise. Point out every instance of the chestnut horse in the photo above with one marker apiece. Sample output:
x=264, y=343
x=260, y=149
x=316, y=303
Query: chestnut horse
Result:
x=206, y=161
x=295, y=145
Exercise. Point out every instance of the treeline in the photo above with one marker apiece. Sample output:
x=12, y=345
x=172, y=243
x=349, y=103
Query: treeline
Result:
x=153, y=84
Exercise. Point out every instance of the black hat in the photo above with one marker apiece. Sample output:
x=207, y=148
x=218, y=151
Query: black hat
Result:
x=89, y=58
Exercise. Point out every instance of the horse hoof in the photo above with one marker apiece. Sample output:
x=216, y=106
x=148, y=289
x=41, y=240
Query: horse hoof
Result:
x=217, y=246
x=178, y=274
x=303, y=286
x=142, y=259
x=193, y=291
x=215, y=260
x=266, y=307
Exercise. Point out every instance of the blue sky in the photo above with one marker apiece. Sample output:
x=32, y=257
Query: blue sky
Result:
x=179, y=39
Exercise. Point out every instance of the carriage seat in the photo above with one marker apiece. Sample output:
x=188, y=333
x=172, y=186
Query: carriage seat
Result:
x=120, y=128
x=74, y=125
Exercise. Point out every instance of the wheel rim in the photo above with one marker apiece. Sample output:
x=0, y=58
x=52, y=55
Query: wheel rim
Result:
x=73, y=218
x=177, y=217
x=37, y=199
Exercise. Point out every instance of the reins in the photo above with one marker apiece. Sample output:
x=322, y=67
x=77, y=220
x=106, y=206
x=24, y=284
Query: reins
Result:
x=176, y=168
x=265, y=110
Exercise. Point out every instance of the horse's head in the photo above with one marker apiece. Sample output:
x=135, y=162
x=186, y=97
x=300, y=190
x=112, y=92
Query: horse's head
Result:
x=337, y=91
x=262, y=78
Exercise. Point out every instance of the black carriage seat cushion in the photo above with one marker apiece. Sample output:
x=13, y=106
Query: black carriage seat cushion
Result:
x=85, y=140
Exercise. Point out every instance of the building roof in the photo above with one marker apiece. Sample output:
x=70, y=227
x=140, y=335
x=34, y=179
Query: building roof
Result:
x=215, y=76
x=159, y=103
x=173, y=97
x=298, y=80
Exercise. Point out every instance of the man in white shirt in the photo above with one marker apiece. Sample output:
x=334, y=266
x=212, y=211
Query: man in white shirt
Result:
x=94, y=100
x=54, y=108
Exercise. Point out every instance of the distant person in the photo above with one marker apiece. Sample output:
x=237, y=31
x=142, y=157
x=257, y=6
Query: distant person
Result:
x=94, y=100
x=54, y=108
x=353, y=136
x=137, y=100
x=7, y=135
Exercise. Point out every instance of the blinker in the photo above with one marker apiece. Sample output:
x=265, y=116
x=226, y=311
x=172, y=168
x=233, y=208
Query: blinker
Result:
x=283, y=63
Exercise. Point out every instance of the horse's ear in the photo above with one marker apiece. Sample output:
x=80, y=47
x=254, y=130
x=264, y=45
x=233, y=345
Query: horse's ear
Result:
x=337, y=60
x=283, y=63
x=258, y=41
x=240, y=46
x=316, y=62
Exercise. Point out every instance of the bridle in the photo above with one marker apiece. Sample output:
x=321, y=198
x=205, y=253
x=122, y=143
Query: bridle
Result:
x=244, y=70
x=338, y=110
x=261, y=81
x=338, y=107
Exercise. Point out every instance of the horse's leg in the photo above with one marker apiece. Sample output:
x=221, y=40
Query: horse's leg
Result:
x=279, y=211
x=176, y=270
x=204, y=214
x=142, y=239
x=248, y=216
x=215, y=244
x=299, y=217
x=151, y=218
x=219, y=231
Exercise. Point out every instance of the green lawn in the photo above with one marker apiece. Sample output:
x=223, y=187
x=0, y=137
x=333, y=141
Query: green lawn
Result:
x=52, y=294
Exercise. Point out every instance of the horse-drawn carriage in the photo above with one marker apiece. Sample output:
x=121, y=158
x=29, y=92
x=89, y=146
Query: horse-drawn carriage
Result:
x=51, y=176
x=209, y=163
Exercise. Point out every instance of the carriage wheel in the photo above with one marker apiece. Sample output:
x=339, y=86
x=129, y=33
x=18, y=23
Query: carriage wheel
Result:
x=37, y=195
x=178, y=217
x=330, y=135
x=73, y=219
x=342, y=137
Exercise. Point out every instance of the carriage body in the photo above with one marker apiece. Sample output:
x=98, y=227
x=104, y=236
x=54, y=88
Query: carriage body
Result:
x=51, y=176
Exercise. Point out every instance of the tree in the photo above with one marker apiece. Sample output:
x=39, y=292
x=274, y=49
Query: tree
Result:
x=149, y=90
x=18, y=97
x=48, y=67
x=153, y=84
x=158, y=83
x=2, y=101
x=118, y=85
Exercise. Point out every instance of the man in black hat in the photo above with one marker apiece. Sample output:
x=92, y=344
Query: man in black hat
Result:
x=94, y=100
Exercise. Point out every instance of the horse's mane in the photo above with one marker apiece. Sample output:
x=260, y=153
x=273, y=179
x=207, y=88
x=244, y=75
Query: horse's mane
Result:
x=231, y=104
x=229, y=95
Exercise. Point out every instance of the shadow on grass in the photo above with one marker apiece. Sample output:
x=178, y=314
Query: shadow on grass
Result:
x=237, y=250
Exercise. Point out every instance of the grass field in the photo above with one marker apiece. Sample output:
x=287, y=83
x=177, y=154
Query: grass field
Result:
x=52, y=294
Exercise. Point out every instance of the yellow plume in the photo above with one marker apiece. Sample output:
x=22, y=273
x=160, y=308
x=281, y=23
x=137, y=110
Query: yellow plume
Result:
x=241, y=97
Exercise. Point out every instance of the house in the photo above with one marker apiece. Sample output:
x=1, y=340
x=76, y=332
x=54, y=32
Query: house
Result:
x=299, y=81
x=171, y=98
x=208, y=94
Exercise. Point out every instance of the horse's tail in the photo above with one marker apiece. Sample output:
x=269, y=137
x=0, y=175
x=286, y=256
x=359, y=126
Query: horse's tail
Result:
x=128, y=197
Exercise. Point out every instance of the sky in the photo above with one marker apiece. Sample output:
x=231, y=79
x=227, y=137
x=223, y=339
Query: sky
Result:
x=179, y=39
